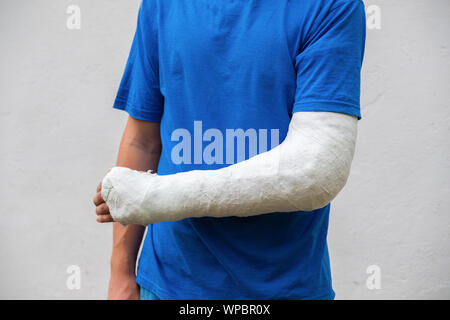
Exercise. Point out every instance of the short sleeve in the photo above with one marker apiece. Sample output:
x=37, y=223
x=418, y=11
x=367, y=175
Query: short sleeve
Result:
x=329, y=63
x=139, y=91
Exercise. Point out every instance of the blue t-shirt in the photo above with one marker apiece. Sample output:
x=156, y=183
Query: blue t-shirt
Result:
x=208, y=68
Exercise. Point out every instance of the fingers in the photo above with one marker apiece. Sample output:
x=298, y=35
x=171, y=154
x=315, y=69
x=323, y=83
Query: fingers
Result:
x=98, y=199
x=102, y=209
x=103, y=214
x=104, y=218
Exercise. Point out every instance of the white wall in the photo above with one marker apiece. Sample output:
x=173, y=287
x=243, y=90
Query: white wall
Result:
x=58, y=136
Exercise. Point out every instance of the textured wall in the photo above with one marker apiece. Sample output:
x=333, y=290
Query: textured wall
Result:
x=58, y=135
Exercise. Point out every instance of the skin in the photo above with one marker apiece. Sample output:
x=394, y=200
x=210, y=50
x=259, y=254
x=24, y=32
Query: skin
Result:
x=140, y=149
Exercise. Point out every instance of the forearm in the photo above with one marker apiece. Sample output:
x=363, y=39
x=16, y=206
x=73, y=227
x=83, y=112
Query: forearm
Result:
x=126, y=242
x=304, y=173
x=139, y=156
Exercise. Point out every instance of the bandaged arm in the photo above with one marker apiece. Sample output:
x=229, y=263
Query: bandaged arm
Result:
x=305, y=172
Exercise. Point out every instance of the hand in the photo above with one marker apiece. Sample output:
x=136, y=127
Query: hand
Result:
x=101, y=208
x=123, y=287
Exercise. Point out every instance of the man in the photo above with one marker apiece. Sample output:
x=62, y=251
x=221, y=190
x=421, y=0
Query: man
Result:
x=209, y=84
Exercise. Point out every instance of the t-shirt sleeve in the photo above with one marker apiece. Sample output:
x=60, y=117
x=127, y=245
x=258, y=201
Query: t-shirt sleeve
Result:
x=329, y=61
x=139, y=91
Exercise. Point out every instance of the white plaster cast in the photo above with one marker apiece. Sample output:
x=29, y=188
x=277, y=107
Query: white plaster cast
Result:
x=305, y=172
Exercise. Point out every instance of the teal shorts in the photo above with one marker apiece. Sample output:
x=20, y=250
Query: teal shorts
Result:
x=146, y=294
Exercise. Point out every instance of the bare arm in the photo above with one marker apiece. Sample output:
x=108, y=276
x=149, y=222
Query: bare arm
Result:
x=140, y=149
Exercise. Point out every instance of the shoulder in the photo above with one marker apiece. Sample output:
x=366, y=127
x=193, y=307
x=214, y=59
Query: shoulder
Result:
x=347, y=4
x=329, y=11
x=323, y=6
